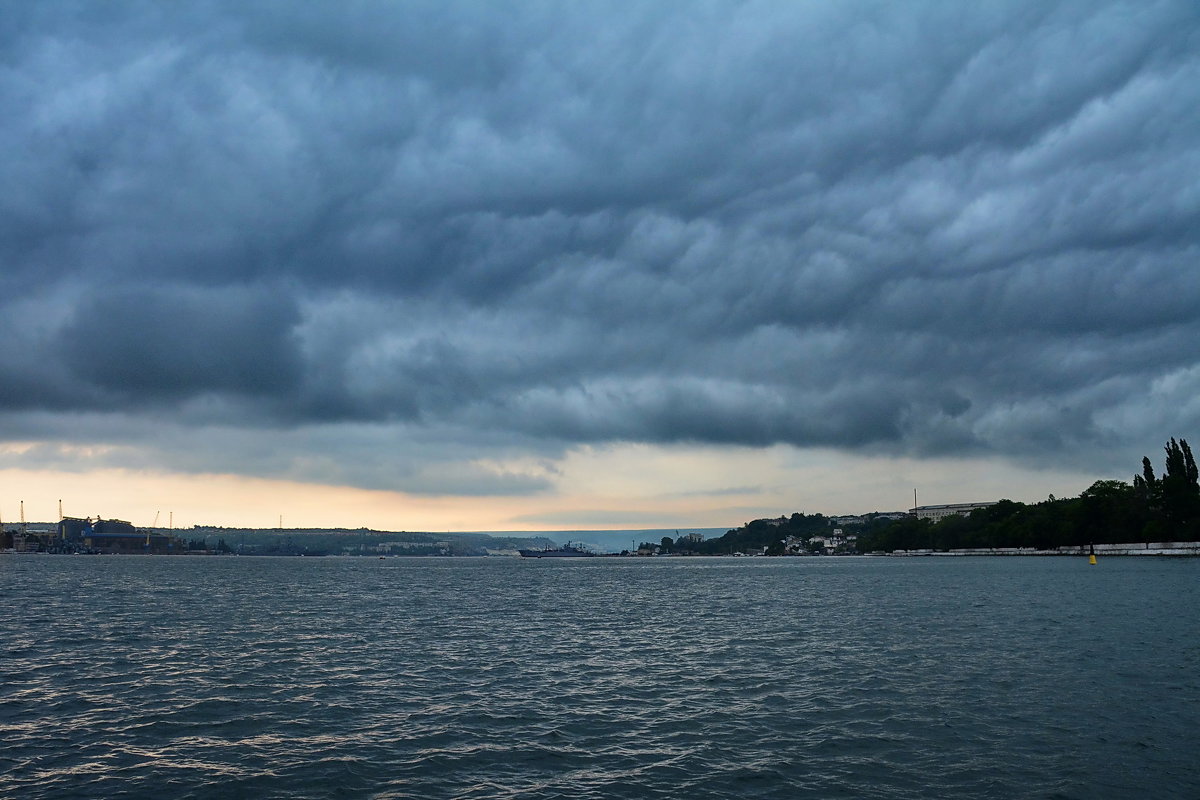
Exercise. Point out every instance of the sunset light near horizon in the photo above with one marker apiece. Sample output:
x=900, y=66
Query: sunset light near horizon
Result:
x=597, y=491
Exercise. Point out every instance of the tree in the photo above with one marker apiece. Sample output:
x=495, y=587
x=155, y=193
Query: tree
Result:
x=1146, y=487
x=667, y=543
x=1107, y=513
x=1180, y=490
x=1193, y=476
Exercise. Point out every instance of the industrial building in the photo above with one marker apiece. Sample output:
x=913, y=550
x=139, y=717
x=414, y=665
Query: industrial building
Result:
x=76, y=535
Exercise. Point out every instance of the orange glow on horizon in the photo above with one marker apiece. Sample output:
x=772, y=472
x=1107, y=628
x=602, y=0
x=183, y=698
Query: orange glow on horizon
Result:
x=621, y=487
x=238, y=501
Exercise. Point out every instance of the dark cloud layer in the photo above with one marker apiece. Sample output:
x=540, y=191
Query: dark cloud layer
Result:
x=141, y=344
x=908, y=228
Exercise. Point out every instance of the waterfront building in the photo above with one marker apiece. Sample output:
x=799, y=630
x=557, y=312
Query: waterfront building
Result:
x=71, y=528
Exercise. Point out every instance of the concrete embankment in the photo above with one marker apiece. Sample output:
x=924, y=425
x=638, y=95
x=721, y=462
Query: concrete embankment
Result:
x=1130, y=549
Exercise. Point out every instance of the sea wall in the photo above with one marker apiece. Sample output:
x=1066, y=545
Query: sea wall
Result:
x=1130, y=549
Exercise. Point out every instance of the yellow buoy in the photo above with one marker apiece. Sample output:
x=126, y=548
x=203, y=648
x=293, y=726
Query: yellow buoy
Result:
x=1092, y=559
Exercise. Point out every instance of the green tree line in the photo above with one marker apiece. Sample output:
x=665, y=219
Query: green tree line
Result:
x=1151, y=508
x=759, y=533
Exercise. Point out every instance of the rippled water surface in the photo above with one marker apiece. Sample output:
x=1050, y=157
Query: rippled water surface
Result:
x=610, y=678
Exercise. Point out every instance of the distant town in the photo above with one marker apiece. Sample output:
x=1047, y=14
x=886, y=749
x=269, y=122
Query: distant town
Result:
x=99, y=536
x=795, y=535
x=1152, y=515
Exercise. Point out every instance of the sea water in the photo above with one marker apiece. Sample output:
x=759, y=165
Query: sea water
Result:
x=238, y=677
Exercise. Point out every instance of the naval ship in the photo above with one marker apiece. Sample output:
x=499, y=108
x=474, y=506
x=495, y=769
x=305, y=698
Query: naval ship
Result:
x=568, y=550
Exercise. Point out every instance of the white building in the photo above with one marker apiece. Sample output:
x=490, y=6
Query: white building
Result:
x=948, y=510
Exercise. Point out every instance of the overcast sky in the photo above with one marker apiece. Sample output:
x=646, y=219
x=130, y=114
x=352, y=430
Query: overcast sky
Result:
x=591, y=264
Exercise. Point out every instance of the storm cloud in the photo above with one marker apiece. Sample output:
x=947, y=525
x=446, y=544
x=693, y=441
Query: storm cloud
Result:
x=411, y=236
